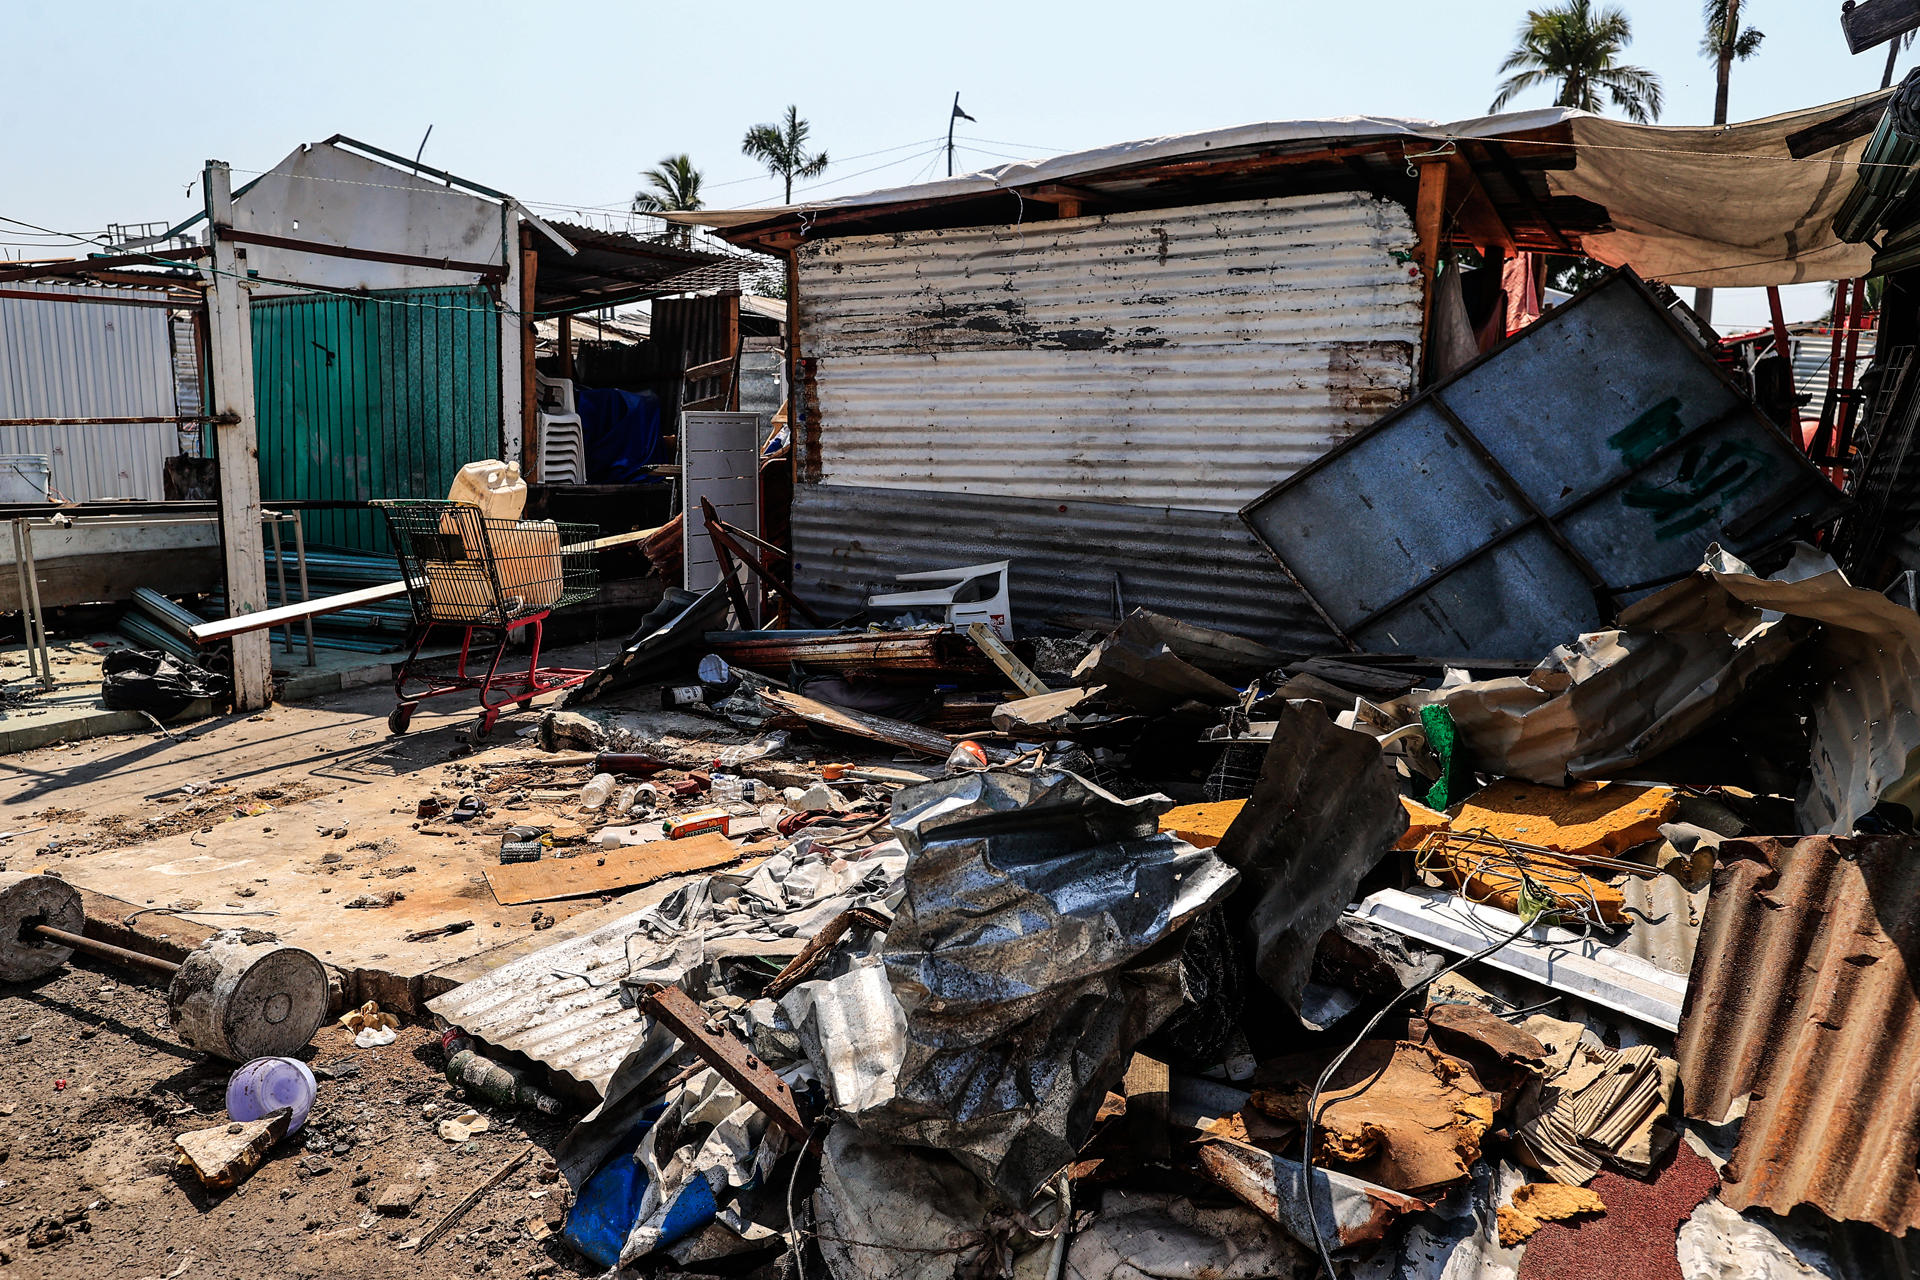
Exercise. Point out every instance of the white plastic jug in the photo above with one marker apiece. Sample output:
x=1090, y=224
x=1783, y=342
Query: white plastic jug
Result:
x=493, y=486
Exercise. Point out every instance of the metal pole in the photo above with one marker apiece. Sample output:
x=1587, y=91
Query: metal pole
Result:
x=36, y=616
x=106, y=950
x=26, y=613
x=300, y=551
x=272, y=520
x=951, y=117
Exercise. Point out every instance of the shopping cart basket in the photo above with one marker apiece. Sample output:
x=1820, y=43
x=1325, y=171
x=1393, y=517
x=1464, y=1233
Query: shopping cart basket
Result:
x=492, y=577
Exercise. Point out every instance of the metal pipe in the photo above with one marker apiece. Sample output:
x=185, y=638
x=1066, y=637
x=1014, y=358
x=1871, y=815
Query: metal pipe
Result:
x=26, y=621
x=38, y=615
x=300, y=551
x=106, y=950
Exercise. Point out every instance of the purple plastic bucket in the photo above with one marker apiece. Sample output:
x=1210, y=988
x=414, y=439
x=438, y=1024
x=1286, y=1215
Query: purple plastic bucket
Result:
x=265, y=1085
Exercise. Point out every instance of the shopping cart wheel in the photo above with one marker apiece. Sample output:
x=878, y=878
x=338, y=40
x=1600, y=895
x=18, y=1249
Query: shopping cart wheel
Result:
x=523, y=704
x=400, y=717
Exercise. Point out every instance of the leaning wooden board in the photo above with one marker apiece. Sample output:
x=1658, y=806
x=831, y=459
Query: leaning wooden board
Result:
x=610, y=870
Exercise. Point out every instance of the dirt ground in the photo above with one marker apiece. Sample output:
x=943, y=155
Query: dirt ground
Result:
x=93, y=1089
x=93, y=1086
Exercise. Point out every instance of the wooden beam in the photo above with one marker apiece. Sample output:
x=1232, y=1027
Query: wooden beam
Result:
x=566, y=346
x=1871, y=22
x=1429, y=213
x=529, y=392
x=237, y=445
x=1016, y=671
x=1473, y=210
x=1510, y=172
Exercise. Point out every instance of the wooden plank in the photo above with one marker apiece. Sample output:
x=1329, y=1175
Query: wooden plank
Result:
x=1148, y=1086
x=1002, y=657
x=895, y=733
x=529, y=389
x=1430, y=207
x=1872, y=22
x=209, y=632
x=610, y=870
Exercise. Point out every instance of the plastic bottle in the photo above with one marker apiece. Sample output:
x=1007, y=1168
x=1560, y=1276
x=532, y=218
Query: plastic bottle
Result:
x=623, y=800
x=725, y=789
x=484, y=1078
x=595, y=793
x=759, y=749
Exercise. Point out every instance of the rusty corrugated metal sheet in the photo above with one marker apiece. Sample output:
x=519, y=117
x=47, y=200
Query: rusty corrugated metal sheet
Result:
x=1177, y=357
x=1802, y=995
x=1200, y=566
x=1092, y=396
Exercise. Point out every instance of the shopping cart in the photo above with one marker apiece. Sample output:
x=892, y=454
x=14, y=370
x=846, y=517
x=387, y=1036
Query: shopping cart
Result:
x=492, y=577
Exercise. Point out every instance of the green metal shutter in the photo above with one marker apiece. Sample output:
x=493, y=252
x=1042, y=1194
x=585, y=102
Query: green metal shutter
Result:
x=383, y=395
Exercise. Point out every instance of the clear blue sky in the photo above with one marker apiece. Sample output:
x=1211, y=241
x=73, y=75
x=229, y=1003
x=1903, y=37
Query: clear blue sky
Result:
x=111, y=107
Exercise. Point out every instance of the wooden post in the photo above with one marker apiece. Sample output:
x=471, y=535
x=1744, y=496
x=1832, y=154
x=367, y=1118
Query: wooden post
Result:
x=230, y=352
x=529, y=392
x=733, y=353
x=1429, y=211
x=566, y=346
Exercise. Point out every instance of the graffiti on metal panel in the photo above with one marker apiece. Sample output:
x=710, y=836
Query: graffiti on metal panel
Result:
x=1710, y=473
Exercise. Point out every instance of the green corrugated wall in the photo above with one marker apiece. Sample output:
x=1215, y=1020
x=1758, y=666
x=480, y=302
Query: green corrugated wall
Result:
x=380, y=396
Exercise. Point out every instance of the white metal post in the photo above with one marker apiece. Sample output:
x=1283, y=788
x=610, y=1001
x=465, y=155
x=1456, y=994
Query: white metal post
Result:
x=230, y=345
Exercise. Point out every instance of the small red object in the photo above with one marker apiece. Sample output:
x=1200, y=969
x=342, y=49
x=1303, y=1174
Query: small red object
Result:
x=59, y=1085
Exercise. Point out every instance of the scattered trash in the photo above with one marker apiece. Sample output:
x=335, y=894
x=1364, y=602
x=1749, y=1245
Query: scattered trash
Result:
x=464, y=1126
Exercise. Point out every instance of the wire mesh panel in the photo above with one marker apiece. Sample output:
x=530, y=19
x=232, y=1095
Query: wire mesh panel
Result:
x=464, y=568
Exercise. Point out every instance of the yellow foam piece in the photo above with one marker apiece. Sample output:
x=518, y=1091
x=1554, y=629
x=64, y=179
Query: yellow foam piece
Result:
x=1202, y=825
x=1601, y=819
x=1421, y=822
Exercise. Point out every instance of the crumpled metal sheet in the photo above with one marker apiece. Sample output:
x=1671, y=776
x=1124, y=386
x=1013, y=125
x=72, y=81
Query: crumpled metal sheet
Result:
x=1160, y=1235
x=562, y=1006
x=884, y=1212
x=1323, y=812
x=1803, y=995
x=1612, y=699
x=1351, y=1211
x=854, y=1033
x=1038, y=942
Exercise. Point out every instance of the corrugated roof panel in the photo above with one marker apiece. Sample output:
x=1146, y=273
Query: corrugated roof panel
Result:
x=1802, y=995
x=71, y=360
x=1201, y=566
x=1186, y=357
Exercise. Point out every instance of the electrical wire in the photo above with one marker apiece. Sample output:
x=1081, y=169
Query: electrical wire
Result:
x=1319, y=1086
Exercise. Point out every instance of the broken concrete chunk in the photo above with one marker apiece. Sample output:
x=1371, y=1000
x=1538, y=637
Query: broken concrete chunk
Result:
x=226, y=1155
x=397, y=1199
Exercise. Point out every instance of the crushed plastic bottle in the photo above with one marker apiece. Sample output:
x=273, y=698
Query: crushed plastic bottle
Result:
x=623, y=800
x=759, y=749
x=597, y=790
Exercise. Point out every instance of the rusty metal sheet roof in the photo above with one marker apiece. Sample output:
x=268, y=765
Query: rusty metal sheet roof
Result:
x=1802, y=995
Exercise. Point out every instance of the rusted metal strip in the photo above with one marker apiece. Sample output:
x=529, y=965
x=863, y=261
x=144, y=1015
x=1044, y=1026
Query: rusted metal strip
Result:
x=675, y=1010
x=36, y=295
x=488, y=271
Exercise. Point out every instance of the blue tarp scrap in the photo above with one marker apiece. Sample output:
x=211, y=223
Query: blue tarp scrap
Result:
x=622, y=432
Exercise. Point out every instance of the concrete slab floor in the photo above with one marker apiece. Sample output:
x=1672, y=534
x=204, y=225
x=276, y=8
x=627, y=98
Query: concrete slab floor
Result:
x=256, y=838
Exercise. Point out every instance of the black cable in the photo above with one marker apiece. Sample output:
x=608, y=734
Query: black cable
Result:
x=1313, y=1099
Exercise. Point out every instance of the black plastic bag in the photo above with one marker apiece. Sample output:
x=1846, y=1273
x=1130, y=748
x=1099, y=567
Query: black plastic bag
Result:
x=155, y=682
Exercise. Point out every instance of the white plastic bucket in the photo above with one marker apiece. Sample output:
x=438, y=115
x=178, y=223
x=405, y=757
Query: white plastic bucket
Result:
x=265, y=1085
x=25, y=477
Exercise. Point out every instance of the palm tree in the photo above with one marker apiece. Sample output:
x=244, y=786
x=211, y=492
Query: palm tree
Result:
x=1578, y=46
x=1724, y=41
x=783, y=149
x=673, y=185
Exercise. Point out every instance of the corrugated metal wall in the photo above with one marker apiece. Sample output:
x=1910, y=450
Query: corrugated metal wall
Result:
x=73, y=360
x=385, y=395
x=1095, y=386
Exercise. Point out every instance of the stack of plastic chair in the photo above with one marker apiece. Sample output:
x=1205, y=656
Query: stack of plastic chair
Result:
x=563, y=442
x=963, y=596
